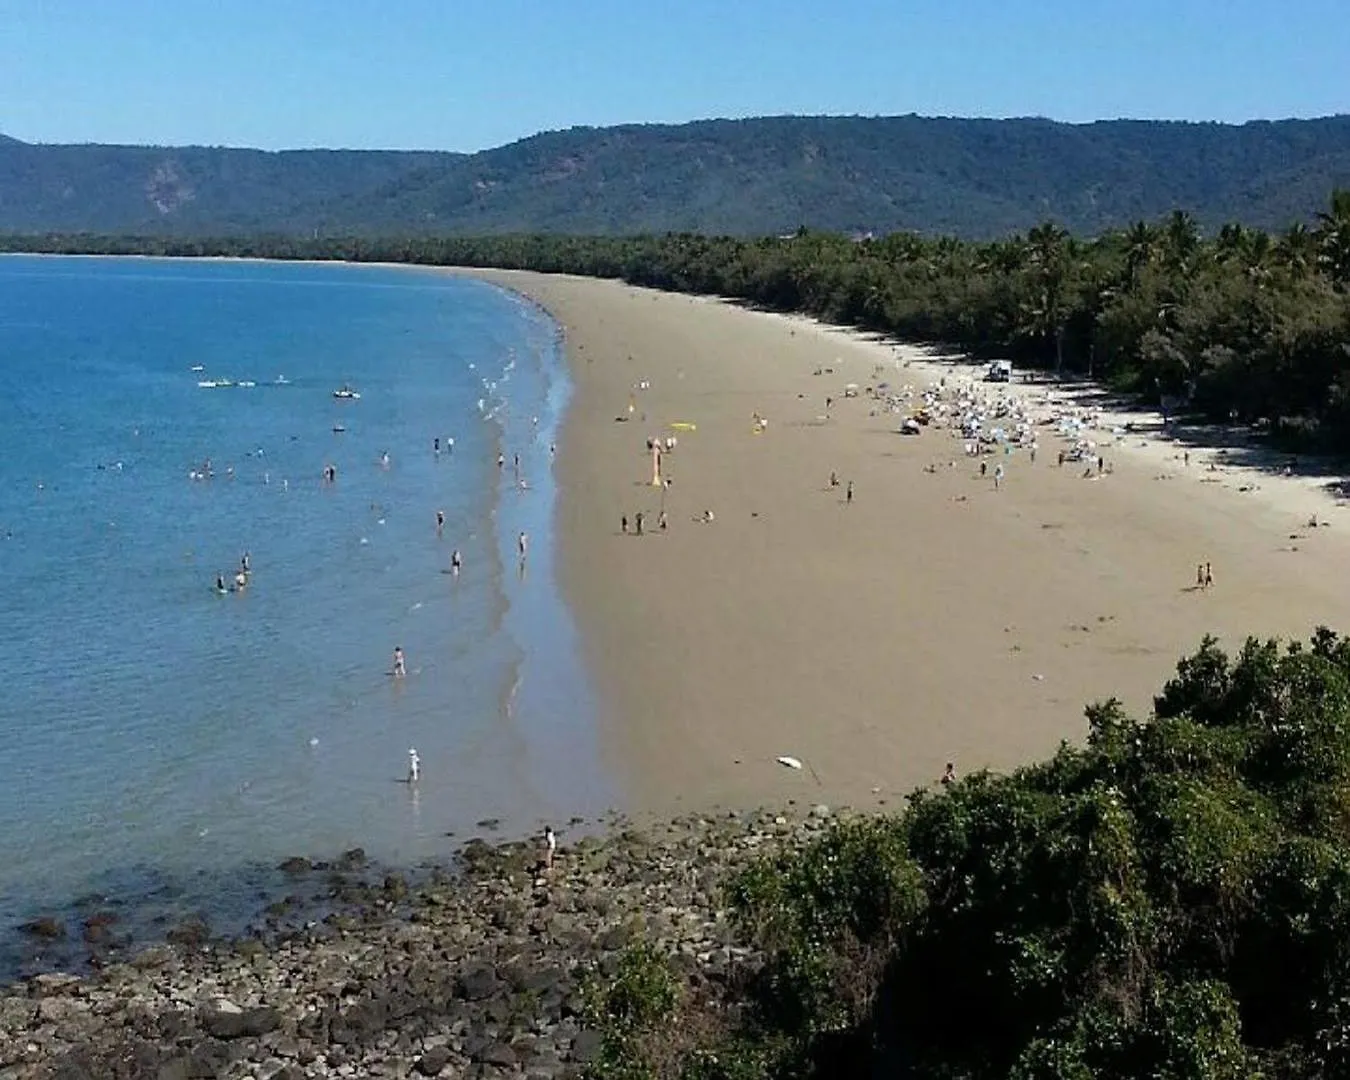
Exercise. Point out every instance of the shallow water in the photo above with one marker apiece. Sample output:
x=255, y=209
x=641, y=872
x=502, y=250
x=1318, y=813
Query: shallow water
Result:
x=152, y=730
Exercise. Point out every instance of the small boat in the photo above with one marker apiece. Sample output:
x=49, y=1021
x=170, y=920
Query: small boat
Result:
x=208, y=384
x=248, y=383
x=281, y=380
x=346, y=394
x=198, y=367
x=338, y=429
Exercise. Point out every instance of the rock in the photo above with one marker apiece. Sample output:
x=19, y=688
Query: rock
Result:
x=433, y=1061
x=51, y=983
x=820, y=811
x=225, y=1020
x=192, y=932
x=97, y=928
x=498, y=1054
x=620, y=937
x=353, y=859
x=479, y=983
x=295, y=866
x=45, y=927
x=586, y=1046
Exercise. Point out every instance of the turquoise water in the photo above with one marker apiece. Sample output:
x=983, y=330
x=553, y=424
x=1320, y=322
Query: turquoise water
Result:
x=152, y=730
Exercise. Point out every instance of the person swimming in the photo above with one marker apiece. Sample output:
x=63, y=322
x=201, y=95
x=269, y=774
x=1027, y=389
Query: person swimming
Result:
x=220, y=583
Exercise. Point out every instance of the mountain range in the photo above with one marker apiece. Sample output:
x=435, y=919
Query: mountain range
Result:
x=972, y=178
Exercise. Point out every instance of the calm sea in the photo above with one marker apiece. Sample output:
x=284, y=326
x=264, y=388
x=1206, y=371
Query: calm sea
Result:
x=157, y=737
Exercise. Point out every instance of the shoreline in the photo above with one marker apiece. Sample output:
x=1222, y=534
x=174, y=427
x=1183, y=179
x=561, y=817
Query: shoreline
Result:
x=486, y=967
x=944, y=623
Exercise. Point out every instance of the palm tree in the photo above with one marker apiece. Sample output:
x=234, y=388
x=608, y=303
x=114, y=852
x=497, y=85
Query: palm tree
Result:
x=1049, y=249
x=1297, y=248
x=1182, y=238
x=1333, y=238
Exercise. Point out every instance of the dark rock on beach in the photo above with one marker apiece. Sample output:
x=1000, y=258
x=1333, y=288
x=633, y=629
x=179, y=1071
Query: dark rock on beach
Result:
x=45, y=928
x=481, y=973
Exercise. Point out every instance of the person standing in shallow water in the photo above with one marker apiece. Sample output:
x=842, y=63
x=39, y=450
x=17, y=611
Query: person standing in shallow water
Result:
x=522, y=545
x=456, y=562
x=400, y=665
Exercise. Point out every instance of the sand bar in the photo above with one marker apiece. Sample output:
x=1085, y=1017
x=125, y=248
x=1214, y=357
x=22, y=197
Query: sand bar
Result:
x=932, y=619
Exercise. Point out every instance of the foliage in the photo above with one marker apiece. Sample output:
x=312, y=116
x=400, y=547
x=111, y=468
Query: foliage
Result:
x=1171, y=900
x=766, y=176
x=630, y=1009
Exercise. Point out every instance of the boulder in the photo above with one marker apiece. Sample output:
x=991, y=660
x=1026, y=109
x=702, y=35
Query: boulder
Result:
x=45, y=928
x=433, y=1061
x=224, y=1020
x=479, y=983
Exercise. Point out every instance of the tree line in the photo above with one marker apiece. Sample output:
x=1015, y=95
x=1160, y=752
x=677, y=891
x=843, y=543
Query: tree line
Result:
x=1241, y=325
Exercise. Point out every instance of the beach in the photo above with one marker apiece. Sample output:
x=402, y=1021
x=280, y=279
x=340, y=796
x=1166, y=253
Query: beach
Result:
x=932, y=619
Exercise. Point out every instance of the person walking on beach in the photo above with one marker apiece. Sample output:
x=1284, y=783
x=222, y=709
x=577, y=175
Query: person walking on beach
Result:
x=848, y=494
x=638, y=519
x=949, y=774
x=834, y=479
x=455, y=562
x=998, y=477
x=661, y=522
x=550, y=847
x=1209, y=575
x=400, y=665
x=623, y=524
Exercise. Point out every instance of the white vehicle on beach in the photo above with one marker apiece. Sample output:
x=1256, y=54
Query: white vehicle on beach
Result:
x=999, y=371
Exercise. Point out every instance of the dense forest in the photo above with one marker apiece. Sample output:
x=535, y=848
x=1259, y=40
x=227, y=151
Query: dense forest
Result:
x=1244, y=325
x=971, y=178
x=1171, y=900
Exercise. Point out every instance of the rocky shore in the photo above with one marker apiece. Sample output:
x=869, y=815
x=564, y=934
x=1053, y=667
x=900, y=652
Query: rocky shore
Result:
x=480, y=972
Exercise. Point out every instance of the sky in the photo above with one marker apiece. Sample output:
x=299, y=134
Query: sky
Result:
x=469, y=74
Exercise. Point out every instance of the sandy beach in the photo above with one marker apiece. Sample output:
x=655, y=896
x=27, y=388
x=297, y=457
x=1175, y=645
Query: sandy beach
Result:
x=934, y=618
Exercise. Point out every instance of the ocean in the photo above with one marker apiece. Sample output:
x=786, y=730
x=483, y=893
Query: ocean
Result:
x=163, y=744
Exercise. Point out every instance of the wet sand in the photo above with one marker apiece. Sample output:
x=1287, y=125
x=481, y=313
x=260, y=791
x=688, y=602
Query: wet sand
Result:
x=934, y=619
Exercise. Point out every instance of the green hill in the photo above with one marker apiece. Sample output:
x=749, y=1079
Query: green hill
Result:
x=969, y=178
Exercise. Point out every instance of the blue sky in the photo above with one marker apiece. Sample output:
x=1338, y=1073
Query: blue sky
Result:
x=467, y=74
